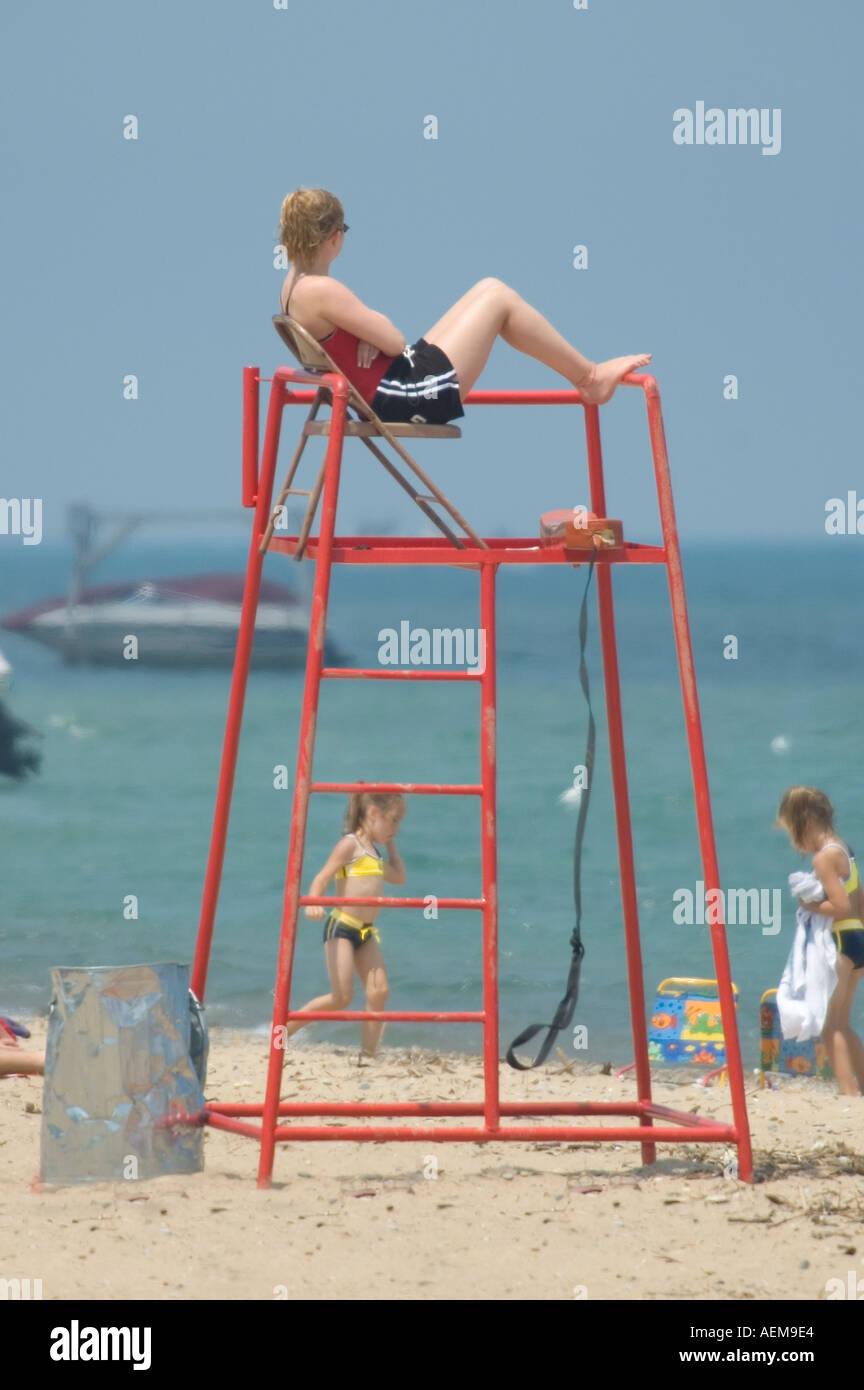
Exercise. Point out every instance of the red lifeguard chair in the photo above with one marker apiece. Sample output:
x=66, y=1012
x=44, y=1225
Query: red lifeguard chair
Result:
x=266, y=1121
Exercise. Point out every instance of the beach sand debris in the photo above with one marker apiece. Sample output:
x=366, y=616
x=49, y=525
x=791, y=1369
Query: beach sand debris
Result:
x=823, y=1161
x=804, y=1211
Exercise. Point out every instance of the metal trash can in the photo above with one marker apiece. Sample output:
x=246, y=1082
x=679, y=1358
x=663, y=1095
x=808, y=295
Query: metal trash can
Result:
x=117, y=1061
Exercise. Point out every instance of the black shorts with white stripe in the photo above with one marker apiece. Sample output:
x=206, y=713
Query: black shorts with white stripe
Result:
x=419, y=387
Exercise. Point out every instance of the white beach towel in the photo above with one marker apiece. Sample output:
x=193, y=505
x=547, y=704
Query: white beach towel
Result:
x=810, y=975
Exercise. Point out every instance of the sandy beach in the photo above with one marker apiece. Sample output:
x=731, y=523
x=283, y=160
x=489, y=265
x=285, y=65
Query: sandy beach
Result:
x=499, y=1221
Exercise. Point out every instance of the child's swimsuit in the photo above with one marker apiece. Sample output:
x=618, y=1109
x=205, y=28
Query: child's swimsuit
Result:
x=340, y=923
x=418, y=386
x=849, y=933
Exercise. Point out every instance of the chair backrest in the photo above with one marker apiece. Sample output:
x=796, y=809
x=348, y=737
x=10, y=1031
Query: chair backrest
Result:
x=308, y=352
x=311, y=355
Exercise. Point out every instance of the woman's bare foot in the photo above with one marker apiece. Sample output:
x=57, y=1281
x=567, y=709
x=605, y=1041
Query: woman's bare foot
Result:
x=600, y=383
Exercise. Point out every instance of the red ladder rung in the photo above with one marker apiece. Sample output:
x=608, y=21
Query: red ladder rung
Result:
x=403, y=1016
x=391, y=902
x=344, y=673
x=418, y=788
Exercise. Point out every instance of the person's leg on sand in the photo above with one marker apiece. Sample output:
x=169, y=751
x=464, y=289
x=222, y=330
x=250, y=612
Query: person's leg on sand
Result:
x=854, y=1044
x=372, y=972
x=15, y=1061
x=340, y=967
x=836, y=1030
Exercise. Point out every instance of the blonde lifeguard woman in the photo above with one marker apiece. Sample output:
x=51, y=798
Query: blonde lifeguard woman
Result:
x=428, y=380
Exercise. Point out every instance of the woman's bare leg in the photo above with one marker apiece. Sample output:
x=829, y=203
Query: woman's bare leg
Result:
x=468, y=331
x=371, y=970
x=455, y=312
x=340, y=968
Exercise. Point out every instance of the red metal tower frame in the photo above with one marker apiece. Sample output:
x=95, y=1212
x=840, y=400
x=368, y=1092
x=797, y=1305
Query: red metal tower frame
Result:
x=655, y=1123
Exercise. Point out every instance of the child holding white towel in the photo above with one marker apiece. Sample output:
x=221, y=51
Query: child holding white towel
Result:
x=807, y=816
x=810, y=975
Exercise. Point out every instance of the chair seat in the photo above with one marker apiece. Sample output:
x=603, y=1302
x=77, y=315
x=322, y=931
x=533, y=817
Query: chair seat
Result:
x=367, y=429
x=317, y=362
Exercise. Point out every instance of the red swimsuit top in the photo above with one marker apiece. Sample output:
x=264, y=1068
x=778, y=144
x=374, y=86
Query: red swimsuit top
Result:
x=342, y=347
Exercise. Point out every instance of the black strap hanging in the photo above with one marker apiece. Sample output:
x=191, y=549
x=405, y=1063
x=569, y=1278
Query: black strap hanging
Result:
x=564, y=1012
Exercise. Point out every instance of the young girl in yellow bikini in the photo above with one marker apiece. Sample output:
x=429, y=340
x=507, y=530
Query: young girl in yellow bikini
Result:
x=350, y=935
x=807, y=816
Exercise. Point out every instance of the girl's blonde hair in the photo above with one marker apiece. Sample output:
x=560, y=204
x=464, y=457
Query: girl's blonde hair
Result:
x=802, y=809
x=359, y=803
x=308, y=217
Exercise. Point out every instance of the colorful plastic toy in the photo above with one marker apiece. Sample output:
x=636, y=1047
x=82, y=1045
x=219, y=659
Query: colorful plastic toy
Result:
x=783, y=1054
x=686, y=1026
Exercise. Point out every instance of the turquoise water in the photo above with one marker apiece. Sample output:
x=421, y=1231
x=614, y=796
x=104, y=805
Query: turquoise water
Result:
x=124, y=801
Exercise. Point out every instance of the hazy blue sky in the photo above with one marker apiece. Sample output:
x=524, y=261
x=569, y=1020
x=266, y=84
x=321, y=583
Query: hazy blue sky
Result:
x=555, y=128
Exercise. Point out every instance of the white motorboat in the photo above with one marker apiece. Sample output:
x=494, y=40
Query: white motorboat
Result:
x=191, y=621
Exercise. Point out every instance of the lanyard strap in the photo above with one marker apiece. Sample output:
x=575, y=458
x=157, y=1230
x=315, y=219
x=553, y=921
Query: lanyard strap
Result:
x=564, y=1012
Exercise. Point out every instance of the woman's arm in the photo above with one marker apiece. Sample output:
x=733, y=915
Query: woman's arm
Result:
x=317, y=888
x=335, y=302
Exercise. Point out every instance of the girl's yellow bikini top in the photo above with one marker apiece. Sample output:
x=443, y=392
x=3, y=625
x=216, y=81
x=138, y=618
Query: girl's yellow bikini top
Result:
x=849, y=886
x=362, y=864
